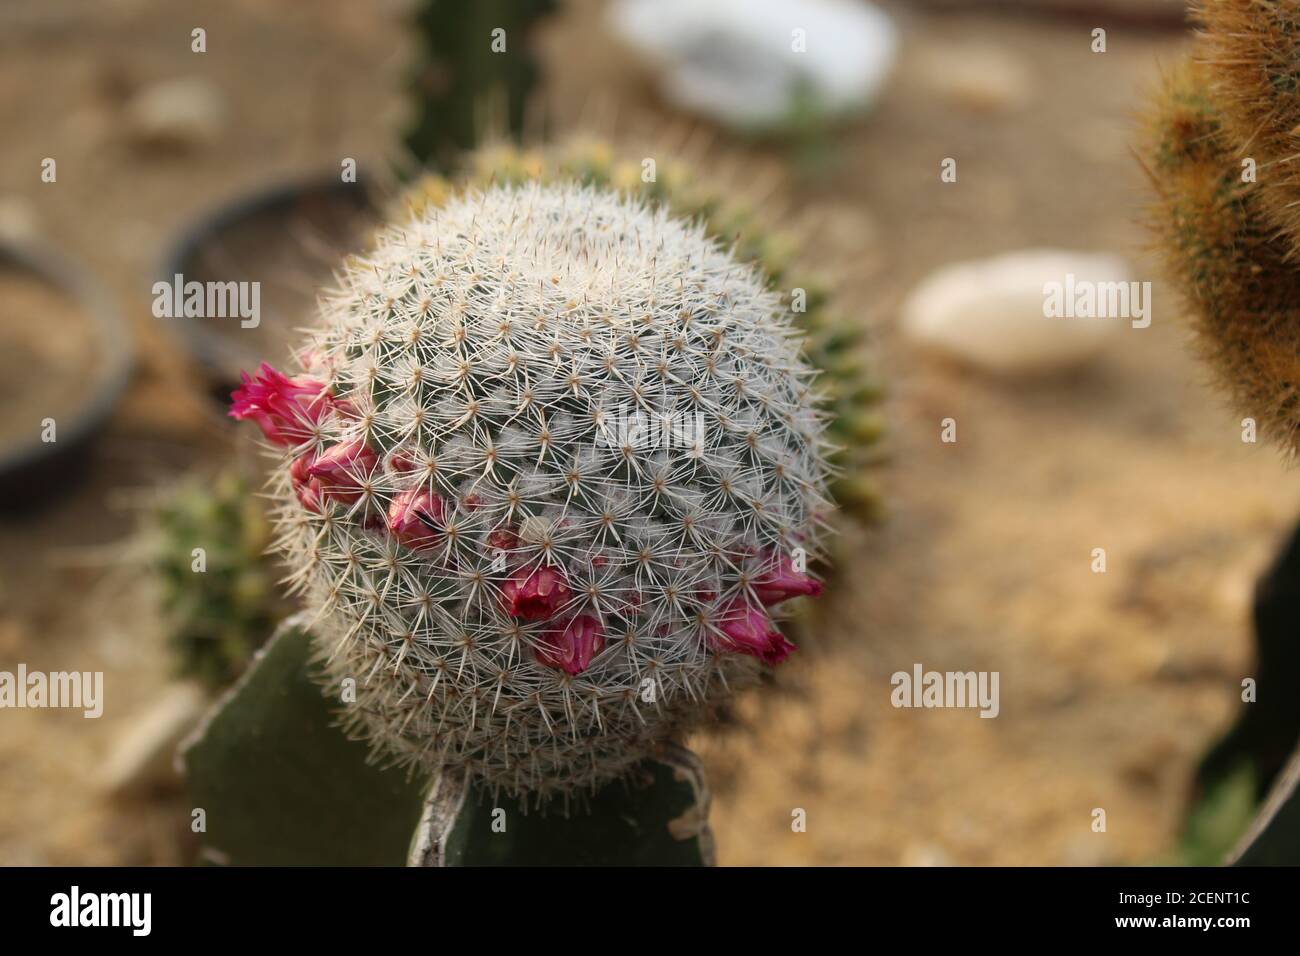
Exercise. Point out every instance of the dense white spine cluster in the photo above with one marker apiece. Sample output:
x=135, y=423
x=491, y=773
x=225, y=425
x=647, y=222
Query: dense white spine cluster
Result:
x=519, y=585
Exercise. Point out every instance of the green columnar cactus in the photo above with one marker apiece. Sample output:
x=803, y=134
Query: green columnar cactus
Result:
x=467, y=79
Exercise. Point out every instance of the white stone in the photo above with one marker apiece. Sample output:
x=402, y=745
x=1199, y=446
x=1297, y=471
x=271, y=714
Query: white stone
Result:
x=735, y=61
x=990, y=313
x=181, y=114
x=141, y=756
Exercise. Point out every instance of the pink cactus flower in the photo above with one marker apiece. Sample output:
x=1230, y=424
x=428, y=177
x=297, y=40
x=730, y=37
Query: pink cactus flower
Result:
x=342, y=470
x=304, y=485
x=780, y=581
x=286, y=409
x=572, y=649
x=413, y=517
x=746, y=629
x=535, y=596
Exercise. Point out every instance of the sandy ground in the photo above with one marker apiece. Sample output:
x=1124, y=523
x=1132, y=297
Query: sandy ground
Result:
x=1111, y=684
x=301, y=88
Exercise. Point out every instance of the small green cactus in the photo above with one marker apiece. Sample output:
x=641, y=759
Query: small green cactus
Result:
x=216, y=581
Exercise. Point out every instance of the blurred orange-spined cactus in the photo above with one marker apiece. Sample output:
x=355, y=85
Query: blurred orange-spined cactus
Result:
x=1218, y=227
x=1251, y=50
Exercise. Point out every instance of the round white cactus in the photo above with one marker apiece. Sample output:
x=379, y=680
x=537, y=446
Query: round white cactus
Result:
x=553, y=460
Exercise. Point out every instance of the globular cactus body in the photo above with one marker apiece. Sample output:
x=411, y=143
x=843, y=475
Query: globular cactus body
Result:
x=701, y=189
x=514, y=583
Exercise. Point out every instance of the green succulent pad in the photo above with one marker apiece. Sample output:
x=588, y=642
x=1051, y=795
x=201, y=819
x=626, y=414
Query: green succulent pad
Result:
x=657, y=817
x=280, y=785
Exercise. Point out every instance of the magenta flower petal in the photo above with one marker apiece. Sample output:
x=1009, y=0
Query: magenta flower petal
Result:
x=305, y=486
x=536, y=595
x=746, y=629
x=414, y=516
x=781, y=581
x=343, y=469
x=572, y=649
x=286, y=409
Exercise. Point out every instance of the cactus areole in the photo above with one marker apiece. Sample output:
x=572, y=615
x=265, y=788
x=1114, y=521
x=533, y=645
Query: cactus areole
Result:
x=509, y=581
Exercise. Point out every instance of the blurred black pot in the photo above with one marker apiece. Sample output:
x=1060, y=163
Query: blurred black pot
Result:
x=288, y=239
x=32, y=470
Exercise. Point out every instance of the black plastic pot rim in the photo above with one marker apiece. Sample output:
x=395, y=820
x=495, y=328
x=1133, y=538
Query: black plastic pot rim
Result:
x=208, y=348
x=117, y=357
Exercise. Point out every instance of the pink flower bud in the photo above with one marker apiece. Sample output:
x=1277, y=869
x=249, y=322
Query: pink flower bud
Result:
x=343, y=469
x=634, y=602
x=535, y=596
x=400, y=462
x=286, y=409
x=314, y=360
x=780, y=581
x=745, y=629
x=304, y=485
x=572, y=650
x=414, y=516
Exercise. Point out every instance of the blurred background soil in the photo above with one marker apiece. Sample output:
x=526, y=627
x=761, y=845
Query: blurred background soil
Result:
x=1112, y=684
